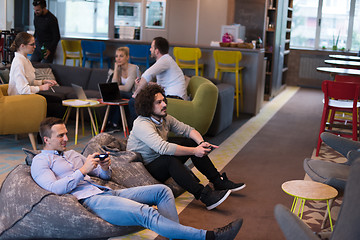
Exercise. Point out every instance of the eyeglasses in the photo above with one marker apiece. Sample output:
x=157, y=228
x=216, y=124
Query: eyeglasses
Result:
x=31, y=44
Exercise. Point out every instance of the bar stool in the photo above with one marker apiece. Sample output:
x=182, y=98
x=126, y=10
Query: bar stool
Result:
x=188, y=58
x=228, y=61
x=72, y=50
x=344, y=116
x=334, y=95
x=94, y=51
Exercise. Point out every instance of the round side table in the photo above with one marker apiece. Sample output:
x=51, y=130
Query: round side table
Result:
x=80, y=104
x=308, y=190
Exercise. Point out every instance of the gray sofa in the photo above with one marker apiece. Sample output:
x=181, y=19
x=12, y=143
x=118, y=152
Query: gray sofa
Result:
x=30, y=212
x=88, y=78
x=224, y=109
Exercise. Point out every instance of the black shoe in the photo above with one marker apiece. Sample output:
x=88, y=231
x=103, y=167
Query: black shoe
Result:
x=229, y=231
x=212, y=198
x=223, y=183
x=111, y=127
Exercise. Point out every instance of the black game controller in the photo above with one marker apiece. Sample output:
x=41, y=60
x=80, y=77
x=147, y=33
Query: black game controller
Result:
x=211, y=148
x=102, y=157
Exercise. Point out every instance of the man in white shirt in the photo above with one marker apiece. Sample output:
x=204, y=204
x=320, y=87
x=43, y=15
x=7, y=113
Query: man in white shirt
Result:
x=165, y=70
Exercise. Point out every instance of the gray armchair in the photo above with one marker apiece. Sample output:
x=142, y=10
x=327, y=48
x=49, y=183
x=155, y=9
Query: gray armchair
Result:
x=330, y=173
x=347, y=224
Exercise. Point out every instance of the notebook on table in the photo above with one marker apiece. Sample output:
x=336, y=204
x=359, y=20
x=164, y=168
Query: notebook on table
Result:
x=110, y=93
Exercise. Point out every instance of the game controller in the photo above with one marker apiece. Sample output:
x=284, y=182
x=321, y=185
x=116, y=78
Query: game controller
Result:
x=102, y=157
x=211, y=148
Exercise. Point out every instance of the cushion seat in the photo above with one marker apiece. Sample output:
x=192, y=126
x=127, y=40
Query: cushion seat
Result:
x=330, y=173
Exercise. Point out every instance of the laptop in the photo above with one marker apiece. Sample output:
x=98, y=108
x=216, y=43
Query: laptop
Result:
x=110, y=92
x=79, y=91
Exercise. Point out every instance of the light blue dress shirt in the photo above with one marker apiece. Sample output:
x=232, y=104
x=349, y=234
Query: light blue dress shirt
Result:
x=60, y=174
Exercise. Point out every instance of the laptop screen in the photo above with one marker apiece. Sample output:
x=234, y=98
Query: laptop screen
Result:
x=79, y=91
x=110, y=92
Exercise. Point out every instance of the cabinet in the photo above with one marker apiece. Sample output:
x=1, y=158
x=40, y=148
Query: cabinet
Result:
x=277, y=44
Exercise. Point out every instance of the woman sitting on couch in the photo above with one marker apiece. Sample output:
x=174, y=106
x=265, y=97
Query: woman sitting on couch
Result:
x=22, y=73
x=125, y=75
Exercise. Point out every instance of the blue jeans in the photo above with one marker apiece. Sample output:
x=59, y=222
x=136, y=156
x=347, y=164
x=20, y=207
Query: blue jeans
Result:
x=133, y=207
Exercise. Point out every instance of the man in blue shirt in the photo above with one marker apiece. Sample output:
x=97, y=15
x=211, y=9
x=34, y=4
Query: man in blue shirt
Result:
x=61, y=172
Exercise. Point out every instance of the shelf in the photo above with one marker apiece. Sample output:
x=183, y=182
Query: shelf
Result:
x=277, y=61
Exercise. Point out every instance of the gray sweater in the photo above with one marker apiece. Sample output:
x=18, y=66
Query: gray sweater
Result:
x=150, y=139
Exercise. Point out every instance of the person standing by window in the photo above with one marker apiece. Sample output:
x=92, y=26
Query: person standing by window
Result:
x=47, y=34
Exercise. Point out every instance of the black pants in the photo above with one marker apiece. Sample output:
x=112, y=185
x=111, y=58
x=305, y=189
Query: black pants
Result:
x=167, y=166
x=114, y=114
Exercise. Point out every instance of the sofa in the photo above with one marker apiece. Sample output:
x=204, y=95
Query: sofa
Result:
x=88, y=78
x=223, y=116
x=30, y=212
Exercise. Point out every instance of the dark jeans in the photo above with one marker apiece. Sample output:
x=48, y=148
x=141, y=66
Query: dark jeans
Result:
x=114, y=114
x=167, y=166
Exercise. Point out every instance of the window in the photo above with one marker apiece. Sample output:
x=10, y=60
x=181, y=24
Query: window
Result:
x=82, y=18
x=327, y=24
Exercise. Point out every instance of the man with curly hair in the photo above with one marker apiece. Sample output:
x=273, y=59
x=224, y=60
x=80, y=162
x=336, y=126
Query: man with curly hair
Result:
x=164, y=157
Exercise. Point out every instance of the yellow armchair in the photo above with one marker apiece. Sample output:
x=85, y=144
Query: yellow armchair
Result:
x=21, y=113
x=198, y=112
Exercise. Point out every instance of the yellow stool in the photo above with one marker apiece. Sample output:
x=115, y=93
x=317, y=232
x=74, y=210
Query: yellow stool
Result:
x=72, y=50
x=228, y=61
x=188, y=58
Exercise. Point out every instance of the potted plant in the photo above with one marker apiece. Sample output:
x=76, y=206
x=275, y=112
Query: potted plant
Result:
x=335, y=43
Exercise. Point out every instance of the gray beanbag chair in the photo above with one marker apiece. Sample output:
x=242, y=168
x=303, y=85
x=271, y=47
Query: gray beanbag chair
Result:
x=27, y=211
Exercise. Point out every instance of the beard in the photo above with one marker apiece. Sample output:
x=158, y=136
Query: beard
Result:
x=160, y=115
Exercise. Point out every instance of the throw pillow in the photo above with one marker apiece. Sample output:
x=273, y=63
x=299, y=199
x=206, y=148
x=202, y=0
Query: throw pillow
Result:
x=30, y=154
x=44, y=73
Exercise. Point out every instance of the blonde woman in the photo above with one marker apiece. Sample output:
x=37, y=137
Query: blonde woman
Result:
x=22, y=73
x=125, y=75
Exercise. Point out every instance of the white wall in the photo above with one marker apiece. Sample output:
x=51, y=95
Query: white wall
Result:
x=183, y=20
x=212, y=15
